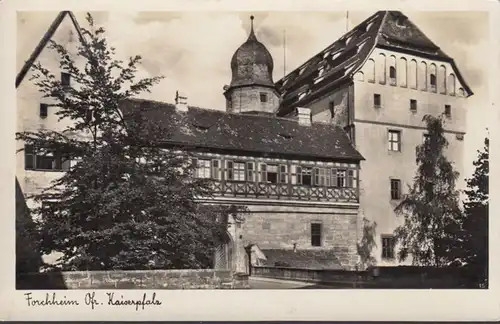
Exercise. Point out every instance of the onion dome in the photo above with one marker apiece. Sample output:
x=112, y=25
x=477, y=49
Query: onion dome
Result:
x=252, y=64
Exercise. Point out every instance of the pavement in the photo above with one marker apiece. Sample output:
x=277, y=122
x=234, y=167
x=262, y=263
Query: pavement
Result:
x=269, y=283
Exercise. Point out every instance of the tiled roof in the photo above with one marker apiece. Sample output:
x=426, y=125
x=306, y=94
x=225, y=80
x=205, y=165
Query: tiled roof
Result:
x=219, y=130
x=337, y=64
x=305, y=259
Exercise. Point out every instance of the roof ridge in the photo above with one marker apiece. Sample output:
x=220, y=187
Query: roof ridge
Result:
x=242, y=115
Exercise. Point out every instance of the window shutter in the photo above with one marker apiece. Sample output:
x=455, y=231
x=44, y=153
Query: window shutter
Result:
x=29, y=157
x=350, y=178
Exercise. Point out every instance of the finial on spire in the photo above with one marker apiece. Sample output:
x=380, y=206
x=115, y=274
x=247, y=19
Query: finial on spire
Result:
x=252, y=34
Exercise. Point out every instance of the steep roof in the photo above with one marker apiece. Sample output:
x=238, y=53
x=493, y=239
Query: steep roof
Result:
x=45, y=39
x=337, y=63
x=252, y=134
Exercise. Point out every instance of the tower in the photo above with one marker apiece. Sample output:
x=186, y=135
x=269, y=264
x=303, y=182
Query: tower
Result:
x=252, y=89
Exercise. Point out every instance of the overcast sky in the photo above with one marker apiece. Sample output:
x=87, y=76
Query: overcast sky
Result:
x=193, y=49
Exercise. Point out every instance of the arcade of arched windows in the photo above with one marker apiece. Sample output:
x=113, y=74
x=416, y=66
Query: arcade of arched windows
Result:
x=409, y=73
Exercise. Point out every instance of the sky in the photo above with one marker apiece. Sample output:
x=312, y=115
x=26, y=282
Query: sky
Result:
x=192, y=50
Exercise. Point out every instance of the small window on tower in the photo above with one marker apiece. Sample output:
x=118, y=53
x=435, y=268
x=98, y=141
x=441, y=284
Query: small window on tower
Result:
x=65, y=79
x=263, y=97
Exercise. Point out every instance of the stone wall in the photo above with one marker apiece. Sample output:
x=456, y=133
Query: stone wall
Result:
x=135, y=279
x=278, y=226
x=403, y=277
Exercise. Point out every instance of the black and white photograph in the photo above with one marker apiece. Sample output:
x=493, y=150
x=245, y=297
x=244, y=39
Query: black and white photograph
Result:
x=251, y=150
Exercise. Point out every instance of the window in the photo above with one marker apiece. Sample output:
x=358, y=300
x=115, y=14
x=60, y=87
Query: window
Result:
x=239, y=171
x=39, y=159
x=341, y=178
x=216, y=171
x=316, y=234
x=250, y=172
x=392, y=74
x=447, y=110
x=269, y=173
x=433, y=82
x=377, y=100
x=394, y=141
x=263, y=97
x=395, y=189
x=307, y=176
x=332, y=109
x=43, y=110
x=235, y=171
x=388, y=243
x=65, y=79
x=283, y=174
x=203, y=169
x=413, y=105
x=296, y=174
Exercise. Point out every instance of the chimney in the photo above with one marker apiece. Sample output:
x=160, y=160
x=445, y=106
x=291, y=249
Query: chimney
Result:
x=181, y=102
x=304, y=116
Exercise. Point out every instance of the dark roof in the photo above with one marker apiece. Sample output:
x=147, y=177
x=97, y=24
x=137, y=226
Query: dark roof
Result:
x=219, y=130
x=43, y=42
x=252, y=64
x=305, y=259
x=338, y=63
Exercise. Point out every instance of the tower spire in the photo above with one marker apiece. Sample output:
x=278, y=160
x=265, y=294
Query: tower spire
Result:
x=252, y=34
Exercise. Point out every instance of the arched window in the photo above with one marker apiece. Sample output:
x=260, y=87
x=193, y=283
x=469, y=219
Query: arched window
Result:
x=442, y=79
x=432, y=78
x=392, y=70
x=422, y=76
x=402, y=68
x=451, y=84
x=359, y=76
x=412, y=75
x=381, y=68
x=370, y=70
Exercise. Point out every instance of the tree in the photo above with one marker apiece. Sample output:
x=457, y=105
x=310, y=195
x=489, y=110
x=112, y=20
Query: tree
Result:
x=126, y=202
x=431, y=208
x=474, y=234
x=366, y=244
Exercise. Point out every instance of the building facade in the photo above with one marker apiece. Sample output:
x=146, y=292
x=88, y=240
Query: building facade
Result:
x=292, y=151
x=298, y=179
x=378, y=81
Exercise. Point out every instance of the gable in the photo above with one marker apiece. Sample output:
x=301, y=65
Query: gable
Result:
x=62, y=29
